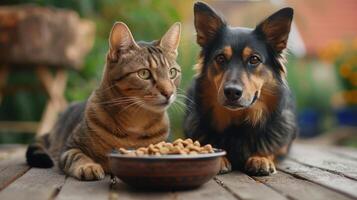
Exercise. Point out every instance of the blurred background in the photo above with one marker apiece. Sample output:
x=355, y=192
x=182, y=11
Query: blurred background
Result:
x=322, y=67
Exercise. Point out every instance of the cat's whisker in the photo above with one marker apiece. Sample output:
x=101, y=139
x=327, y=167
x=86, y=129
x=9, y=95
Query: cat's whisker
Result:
x=181, y=90
x=138, y=106
x=106, y=89
x=184, y=105
x=128, y=106
x=122, y=103
x=118, y=100
x=178, y=106
x=175, y=109
x=183, y=95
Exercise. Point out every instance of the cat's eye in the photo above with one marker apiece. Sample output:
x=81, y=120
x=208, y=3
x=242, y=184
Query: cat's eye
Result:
x=144, y=74
x=254, y=60
x=173, y=73
x=220, y=59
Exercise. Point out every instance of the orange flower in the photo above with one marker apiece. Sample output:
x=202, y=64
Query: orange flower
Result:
x=345, y=70
x=350, y=96
x=353, y=79
x=332, y=51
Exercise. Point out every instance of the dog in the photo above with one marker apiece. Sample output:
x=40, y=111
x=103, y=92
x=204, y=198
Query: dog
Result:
x=239, y=99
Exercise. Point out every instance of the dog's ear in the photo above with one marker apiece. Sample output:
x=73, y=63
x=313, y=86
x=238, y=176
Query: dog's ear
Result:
x=207, y=23
x=120, y=40
x=275, y=29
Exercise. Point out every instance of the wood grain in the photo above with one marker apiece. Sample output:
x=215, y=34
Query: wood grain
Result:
x=327, y=179
x=11, y=151
x=316, y=157
x=247, y=188
x=346, y=152
x=308, y=173
x=210, y=190
x=11, y=170
x=12, y=164
x=39, y=184
x=121, y=191
x=299, y=189
x=86, y=190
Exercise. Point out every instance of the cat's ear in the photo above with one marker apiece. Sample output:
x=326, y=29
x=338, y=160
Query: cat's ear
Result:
x=276, y=28
x=171, y=40
x=208, y=23
x=120, y=40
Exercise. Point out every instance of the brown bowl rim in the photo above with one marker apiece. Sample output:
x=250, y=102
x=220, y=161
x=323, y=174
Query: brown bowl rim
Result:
x=217, y=153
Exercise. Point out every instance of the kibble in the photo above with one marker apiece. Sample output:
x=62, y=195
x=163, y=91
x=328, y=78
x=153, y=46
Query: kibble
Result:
x=179, y=146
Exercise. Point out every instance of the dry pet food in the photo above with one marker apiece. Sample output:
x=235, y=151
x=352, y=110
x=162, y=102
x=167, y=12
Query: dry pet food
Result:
x=179, y=146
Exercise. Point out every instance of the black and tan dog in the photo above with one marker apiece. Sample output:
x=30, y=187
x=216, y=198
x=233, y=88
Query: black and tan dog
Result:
x=241, y=100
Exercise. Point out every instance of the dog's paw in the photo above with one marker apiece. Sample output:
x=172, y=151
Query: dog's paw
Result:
x=89, y=172
x=226, y=166
x=260, y=166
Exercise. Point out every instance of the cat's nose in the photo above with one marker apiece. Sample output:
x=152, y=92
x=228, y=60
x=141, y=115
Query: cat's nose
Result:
x=167, y=94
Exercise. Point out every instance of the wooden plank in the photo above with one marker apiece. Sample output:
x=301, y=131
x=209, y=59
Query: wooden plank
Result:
x=35, y=184
x=86, y=190
x=316, y=157
x=8, y=151
x=346, y=152
x=12, y=164
x=327, y=179
x=11, y=170
x=247, y=188
x=4, y=72
x=210, y=190
x=121, y=191
x=299, y=189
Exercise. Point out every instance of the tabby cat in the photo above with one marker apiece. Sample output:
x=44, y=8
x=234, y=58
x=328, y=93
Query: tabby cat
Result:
x=127, y=110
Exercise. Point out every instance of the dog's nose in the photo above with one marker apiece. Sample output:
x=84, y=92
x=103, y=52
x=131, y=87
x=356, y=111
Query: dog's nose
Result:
x=233, y=92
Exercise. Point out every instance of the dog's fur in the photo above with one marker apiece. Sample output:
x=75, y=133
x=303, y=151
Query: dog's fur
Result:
x=257, y=124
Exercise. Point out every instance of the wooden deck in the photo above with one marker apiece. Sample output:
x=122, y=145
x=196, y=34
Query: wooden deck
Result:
x=310, y=172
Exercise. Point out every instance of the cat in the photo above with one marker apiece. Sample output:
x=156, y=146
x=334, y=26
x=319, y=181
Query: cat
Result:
x=127, y=110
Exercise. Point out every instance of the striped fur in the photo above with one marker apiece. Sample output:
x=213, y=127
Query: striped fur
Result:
x=124, y=111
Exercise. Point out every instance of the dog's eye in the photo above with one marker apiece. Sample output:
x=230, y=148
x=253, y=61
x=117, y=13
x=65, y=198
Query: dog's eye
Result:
x=254, y=60
x=220, y=59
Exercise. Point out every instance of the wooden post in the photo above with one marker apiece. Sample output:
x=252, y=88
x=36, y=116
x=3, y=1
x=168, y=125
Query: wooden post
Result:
x=54, y=87
x=4, y=71
x=43, y=39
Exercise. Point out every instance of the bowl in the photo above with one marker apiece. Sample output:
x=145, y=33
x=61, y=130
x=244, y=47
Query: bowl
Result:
x=166, y=172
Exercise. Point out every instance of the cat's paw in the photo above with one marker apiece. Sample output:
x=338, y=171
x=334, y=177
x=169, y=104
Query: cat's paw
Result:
x=226, y=166
x=260, y=166
x=89, y=172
